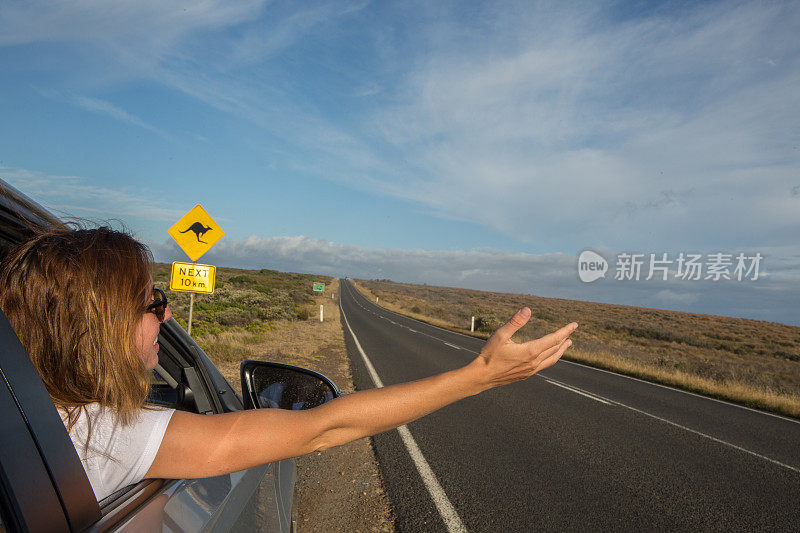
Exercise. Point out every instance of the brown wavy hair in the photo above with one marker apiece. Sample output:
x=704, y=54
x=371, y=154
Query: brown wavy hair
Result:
x=75, y=297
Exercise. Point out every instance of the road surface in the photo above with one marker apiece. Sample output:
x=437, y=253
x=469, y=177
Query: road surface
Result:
x=572, y=448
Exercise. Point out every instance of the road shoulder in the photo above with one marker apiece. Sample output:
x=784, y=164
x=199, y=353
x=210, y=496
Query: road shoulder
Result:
x=339, y=489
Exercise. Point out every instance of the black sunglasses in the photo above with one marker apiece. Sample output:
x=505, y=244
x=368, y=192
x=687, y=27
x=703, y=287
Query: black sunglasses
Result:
x=159, y=305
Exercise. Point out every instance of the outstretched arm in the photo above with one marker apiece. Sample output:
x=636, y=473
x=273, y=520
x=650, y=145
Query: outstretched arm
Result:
x=201, y=446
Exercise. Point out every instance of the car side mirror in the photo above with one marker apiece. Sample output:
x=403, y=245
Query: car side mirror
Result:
x=275, y=385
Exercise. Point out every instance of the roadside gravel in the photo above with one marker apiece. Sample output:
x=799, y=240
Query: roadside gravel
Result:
x=339, y=489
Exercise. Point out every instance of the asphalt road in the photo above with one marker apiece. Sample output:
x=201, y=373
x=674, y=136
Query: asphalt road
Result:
x=572, y=448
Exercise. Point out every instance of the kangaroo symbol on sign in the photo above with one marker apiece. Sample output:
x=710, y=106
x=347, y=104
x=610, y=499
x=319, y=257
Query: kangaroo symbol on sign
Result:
x=199, y=230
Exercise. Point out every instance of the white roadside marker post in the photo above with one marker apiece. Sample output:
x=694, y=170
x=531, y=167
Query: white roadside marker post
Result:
x=472, y=326
x=320, y=313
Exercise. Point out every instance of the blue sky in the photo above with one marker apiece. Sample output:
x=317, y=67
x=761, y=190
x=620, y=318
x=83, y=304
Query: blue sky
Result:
x=472, y=144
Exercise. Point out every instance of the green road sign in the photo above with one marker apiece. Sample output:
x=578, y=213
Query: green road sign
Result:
x=319, y=287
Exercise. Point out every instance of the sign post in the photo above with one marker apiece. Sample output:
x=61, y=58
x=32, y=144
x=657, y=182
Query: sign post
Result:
x=196, y=232
x=191, y=308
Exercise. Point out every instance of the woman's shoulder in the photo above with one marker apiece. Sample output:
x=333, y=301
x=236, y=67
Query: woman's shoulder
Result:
x=98, y=415
x=80, y=412
x=116, y=454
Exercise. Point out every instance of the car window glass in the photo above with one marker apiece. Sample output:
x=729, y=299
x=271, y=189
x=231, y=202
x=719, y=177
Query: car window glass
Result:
x=162, y=392
x=157, y=379
x=169, y=386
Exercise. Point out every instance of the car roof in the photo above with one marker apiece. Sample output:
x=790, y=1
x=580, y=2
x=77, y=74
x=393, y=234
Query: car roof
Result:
x=19, y=215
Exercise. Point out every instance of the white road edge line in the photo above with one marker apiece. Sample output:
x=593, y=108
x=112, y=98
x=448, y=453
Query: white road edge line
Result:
x=576, y=391
x=453, y=345
x=446, y=510
x=690, y=430
x=720, y=441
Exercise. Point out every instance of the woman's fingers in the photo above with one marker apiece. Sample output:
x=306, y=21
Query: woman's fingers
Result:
x=520, y=318
x=554, y=339
x=508, y=329
x=528, y=355
x=551, y=360
x=541, y=356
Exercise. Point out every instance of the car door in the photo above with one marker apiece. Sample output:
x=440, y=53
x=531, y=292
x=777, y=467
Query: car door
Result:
x=43, y=486
x=250, y=500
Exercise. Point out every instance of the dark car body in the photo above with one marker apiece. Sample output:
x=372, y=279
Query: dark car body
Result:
x=43, y=486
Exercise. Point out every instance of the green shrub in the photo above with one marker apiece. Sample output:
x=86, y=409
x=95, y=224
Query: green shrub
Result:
x=234, y=316
x=487, y=323
x=258, y=327
x=204, y=327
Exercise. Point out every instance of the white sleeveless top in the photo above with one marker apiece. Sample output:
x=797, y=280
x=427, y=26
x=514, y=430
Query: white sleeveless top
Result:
x=118, y=455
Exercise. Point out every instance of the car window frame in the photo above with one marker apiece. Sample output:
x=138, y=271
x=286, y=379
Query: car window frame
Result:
x=43, y=429
x=178, y=359
x=28, y=500
x=224, y=396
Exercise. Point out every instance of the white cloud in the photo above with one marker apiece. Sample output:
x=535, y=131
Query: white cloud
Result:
x=668, y=131
x=672, y=298
x=499, y=269
x=69, y=196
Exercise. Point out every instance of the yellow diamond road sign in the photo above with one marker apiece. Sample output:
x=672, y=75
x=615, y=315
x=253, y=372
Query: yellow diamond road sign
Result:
x=191, y=277
x=196, y=232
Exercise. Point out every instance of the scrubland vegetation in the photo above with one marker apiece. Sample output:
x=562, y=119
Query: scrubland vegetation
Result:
x=234, y=323
x=752, y=362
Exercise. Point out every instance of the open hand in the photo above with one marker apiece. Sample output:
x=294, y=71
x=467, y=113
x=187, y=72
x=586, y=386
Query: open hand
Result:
x=504, y=361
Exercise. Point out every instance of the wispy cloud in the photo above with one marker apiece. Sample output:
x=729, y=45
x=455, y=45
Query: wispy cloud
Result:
x=68, y=196
x=147, y=26
x=225, y=54
x=673, y=298
x=96, y=105
x=576, y=127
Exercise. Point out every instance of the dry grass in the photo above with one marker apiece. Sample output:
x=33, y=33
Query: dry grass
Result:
x=754, y=363
x=307, y=343
x=250, y=309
